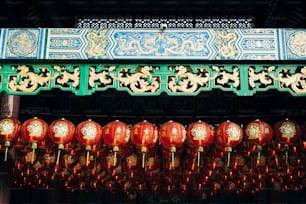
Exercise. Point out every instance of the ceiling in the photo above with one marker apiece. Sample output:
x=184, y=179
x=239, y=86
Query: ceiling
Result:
x=56, y=13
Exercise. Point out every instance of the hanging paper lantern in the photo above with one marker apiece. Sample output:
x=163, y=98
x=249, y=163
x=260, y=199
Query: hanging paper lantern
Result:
x=9, y=130
x=228, y=134
x=144, y=136
x=171, y=135
x=116, y=134
x=34, y=131
x=88, y=133
x=286, y=132
x=61, y=132
x=200, y=135
x=258, y=133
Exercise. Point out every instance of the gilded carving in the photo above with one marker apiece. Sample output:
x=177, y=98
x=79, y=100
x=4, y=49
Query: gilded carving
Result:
x=141, y=81
x=97, y=43
x=105, y=77
x=296, y=82
x=27, y=80
x=262, y=76
x=225, y=44
x=225, y=77
x=187, y=82
x=64, y=77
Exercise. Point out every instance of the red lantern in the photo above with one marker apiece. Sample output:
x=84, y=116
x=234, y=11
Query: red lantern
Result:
x=258, y=133
x=61, y=132
x=9, y=130
x=88, y=133
x=144, y=136
x=228, y=134
x=286, y=132
x=200, y=135
x=116, y=134
x=171, y=135
x=34, y=131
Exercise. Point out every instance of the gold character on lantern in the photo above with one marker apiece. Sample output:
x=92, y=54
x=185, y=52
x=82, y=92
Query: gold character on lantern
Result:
x=60, y=129
x=287, y=129
x=35, y=129
x=6, y=127
x=233, y=132
x=199, y=133
x=253, y=131
x=89, y=131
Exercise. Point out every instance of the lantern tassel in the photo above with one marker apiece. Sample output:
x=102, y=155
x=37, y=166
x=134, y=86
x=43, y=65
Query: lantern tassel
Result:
x=258, y=157
x=228, y=158
x=172, y=160
x=259, y=149
x=200, y=149
x=115, y=158
x=143, y=160
x=87, y=158
x=286, y=153
x=228, y=151
x=5, y=154
x=173, y=150
x=58, y=156
x=199, y=159
x=32, y=159
x=34, y=147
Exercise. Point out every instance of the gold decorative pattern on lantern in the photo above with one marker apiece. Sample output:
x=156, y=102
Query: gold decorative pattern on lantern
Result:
x=198, y=132
x=253, y=131
x=233, y=132
x=35, y=128
x=225, y=77
x=60, y=129
x=6, y=127
x=105, y=77
x=187, y=82
x=141, y=81
x=64, y=77
x=27, y=80
x=287, y=129
x=89, y=131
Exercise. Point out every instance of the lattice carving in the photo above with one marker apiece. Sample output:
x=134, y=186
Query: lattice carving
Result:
x=29, y=79
x=262, y=78
x=102, y=78
x=63, y=77
x=296, y=82
x=141, y=81
x=188, y=82
x=225, y=77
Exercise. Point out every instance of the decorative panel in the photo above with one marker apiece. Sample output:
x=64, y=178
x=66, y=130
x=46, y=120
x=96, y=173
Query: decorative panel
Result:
x=153, y=79
x=153, y=43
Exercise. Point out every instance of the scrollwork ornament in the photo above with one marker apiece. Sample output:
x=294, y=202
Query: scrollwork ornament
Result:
x=104, y=77
x=263, y=76
x=29, y=81
x=64, y=77
x=186, y=81
x=296, y=82
x=226, y=77
x=141, y=81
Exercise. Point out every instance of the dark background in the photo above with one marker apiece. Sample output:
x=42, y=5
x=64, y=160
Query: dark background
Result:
x=64, y=13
